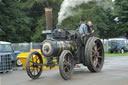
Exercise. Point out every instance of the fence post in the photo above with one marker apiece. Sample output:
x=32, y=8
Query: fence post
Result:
x=107, y=46
x=30, y=45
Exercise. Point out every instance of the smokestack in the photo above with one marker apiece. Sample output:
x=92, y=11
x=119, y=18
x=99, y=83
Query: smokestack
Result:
x=48, y=14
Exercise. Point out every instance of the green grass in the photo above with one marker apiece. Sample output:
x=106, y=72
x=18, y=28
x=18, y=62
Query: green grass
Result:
x=115, y=54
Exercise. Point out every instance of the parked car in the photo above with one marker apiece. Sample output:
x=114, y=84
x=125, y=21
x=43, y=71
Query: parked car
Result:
x=6, y=47
x=119, y=45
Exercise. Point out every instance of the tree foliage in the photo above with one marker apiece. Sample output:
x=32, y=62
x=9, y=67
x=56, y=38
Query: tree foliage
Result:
x=122, y=14
x=24, y=20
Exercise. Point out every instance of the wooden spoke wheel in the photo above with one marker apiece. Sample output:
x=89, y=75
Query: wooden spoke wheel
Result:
x=94, y=54
x=66, y=64
x=33, y=68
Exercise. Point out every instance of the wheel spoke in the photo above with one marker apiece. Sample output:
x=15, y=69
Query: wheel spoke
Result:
x=94, y=63
x=31, y=65
x=37, y=69
x=68, y=58
x=31, y=61
x=99, y=48
x=98, y=64
x=68, y=69
x=34, y=72
x=65, y=60
x=95, y=47
x=67, y=63
x=66, y=73
x=93, y=55
x=70, y=64
x=99, y=57
x=37, y=59
x=93, y=50
x=65, y=67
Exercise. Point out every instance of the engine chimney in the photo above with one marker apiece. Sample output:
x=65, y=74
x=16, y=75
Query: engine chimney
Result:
x=48, y=14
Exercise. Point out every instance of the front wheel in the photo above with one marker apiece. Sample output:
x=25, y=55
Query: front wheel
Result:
x=33, y=68
x=66, y=64
x=18, y=63
x=94, y=54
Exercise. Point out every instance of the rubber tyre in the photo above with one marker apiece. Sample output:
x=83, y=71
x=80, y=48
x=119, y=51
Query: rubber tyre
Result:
x=18, y=63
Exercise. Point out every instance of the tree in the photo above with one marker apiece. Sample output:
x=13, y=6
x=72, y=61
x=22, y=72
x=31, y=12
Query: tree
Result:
x=122, y=14
x=24, y=20
x=35, y=9
x=91, y=12
x=14, y=22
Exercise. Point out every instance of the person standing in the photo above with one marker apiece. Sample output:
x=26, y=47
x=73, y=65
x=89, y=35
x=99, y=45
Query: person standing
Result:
x=83, y=29
x=90, y=25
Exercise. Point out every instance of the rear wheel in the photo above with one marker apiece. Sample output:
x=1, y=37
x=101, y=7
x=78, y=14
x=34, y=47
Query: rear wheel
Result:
x=33, y=68
x=66, y=64
x=94, y=54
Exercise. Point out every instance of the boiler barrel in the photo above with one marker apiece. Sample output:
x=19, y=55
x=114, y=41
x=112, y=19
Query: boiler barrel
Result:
x=54, y=48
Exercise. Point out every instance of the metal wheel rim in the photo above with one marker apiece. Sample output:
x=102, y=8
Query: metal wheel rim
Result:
x=33, y=65
x=67, y=64
x=97, y=55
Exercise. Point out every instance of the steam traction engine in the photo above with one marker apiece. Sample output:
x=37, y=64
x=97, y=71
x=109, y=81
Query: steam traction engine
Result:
x=69, y=48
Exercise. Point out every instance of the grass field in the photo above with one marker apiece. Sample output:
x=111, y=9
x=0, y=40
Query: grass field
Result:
x=115, y=54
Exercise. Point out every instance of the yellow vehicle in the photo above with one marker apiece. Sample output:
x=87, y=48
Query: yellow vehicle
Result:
x=23, y=58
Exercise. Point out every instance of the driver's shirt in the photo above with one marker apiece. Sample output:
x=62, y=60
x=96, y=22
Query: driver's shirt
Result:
x=83, y=29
